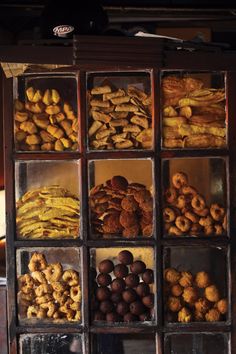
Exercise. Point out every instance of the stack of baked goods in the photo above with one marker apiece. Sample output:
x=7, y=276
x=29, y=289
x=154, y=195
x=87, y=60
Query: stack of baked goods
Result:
x=49, y=292
x=186, y=211
x=119, y=118
x=193, y=115
x=119, y=208
x=45, y=122
x=123, y=292
x=192, y=297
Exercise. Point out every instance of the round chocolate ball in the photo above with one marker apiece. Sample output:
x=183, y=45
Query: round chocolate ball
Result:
x=145, y=316
x=125, y=257
x=138, y=267
x=142, y=289
x=104, y=279
x=113, y=317
x=148, y=301
x=103, y=293
x=129, y=317
x=106, y=266
x=118, y=285
x=129, y=295
x=99, y=316
x=136, y=308
x=148, y=276
x=121, y=270
x=122, y=308
x=116, y=297
x=106, y=306
x=132, y=280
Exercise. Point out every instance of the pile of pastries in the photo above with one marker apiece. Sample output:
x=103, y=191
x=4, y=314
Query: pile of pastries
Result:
x=48, y=212
x=121, y=208
x=119, y=118
x=192, y=297
x=193, y=115
x=122, y=292
x=186, y=211
x=49, y=292
x=45, y=122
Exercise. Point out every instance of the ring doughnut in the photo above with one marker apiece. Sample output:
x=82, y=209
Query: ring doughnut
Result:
x=217, y=212
x=71, y=277
x=173, y=230
x=189, y=190
x=171, y=195
x=25, y=283
x=225, y=223
x=66, y=306
x=198, y=202
x=50, y=308
x=169, y=214
x=192, y=217
x=59, y=286
x=195, y=229
x=53, y=272
x=204, y=212
x=183, y=223
x=37, y=262
x=75, y=293
x=179, y=179
x=181, y=202
x=75, y=306
x=42, y=299
x=60, y=297
x=218, y=229
x=43, y=289
x=35, y=312
x=207, y=221
x=39, y=277
x=27, y=297
x=209, y=230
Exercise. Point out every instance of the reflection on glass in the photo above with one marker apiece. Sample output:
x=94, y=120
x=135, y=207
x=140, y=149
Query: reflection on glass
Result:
x=48, y=285
x=193, y=110
x=47, y=202
x=122, y=285
x=195, y=284
x=119, y=111
x=195, y=195
x=46, y=113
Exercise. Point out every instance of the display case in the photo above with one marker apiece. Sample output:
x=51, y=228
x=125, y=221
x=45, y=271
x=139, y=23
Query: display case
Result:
x=120, y=200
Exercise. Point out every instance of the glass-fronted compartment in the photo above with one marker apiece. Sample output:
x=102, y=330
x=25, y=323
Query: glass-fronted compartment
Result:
x=193, y=110
x=119, y=111
x=194, y=197
x=121, y=198
x=122, y=285
x=196, y=284
x=46, y=113
x=47, y=196
x=49, y=285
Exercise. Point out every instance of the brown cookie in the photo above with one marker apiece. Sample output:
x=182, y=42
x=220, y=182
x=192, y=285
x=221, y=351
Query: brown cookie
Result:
x=142, y=195
x=128, y=203
x=119, y=182
x=131, y=232
x=128, y=219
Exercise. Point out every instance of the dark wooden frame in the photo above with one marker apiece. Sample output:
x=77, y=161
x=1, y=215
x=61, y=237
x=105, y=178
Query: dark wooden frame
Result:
x=104, y=54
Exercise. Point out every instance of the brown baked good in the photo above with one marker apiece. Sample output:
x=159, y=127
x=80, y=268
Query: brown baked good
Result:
x=186, y=279
x=172, y=275
x=148, y=276
x=128, y=219
x=125, y=257
x=190, y=295
x=129, y=295
x=184, y=315
x=118, y=285
x=119, y=182
x=212, y=315
x=137, y=267
x=106, y=266
x=176, y=290
x=142, y=195
x=132, y=280
x=174, y=304
x=212, y=293
x=128, y=203
x=111, y=223
x=131, y=232
x=104, y=279
x=202, y=279
x=120, y=270
x=202, y=305
x=142, y=289
x=222, y=306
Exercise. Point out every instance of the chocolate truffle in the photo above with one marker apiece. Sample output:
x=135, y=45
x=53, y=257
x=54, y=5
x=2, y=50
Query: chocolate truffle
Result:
x=113, y=317
x=125, y=257
x=136, y=308
x=121, y=270
x=138, y=267
x=116, y=297
x=106, y=266
x=99, y=316
x=148, y=301
x=129, y=317
x=145, y=316
x=106, y=306
x=119, y=182
x=122, y=308
x=132, y=280
x=103, y=293
x=142, y=289
x=129, y=295
x=104, y=279
x=118, y=285
x=148, y=276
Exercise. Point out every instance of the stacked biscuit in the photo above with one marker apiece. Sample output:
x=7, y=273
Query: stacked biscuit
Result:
x=49, y=292
x=45, y=122
x=186, y=212
x=123, y=292
x=193, y=116
x=192, y=298
x=119, y=118
x=48, y=212
x=121, y=208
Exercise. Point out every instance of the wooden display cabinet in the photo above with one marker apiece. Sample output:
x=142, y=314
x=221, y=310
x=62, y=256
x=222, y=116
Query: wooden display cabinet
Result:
x=122, y=130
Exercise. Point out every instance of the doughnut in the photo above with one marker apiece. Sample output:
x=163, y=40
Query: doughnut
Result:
x=189, y=190
x=209, y=230
x=218, y=229
x=25, y=283
x=131, y=232
x=217, y=212
x=27, y=297
x=192, y=217
x=66, y=306
x=128, y=203
x=35, y=312
x=70, y=314
x=183, y=223
x=169, y=214
x=75, y=306
x=59, y=286
x=42, y=299
x=181, y=202
x=173, y=230
x=195, y=229
x=50, y=308
x=77, y=316
x=75, y=293
x=71, y=277
x=225, y=223
x=53, y=272
x=60, y=296
x=179, y=180
x=207, y=221
x=204, y=212
x=147, y=205
x=43, y=289
x=147, y=230
x=39, y=277
x=171, y=195
x=142, y=196
x=37, y=262
x=198, y=202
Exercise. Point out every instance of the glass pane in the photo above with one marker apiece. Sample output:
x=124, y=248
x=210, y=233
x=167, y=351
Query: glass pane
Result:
x=193, y=110
x=122, y=284
x=195, y=197
x=195, y=284
x=196, y=343
x=119, y=111
x=47, y=200
x=123, y=344
x=46, y=116
x=51, y=344
x=48, y=285
x=121, y=198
